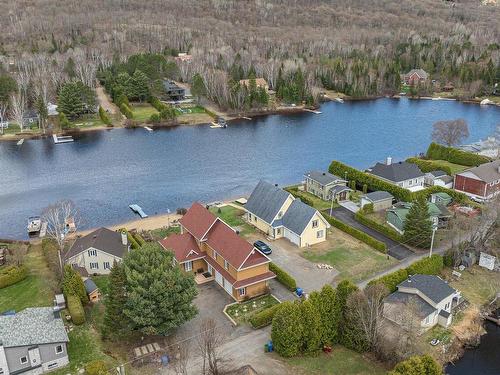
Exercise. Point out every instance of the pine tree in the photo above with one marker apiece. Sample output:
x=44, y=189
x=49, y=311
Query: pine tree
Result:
x=344, y=289
x=287, y=328
x=198, y=88
x=311, y=335
x=115, y=321
x=418, y=225
x=75, y=98
x=140, y=85
x=329, y=318
x=72, y=284
x=159, y=296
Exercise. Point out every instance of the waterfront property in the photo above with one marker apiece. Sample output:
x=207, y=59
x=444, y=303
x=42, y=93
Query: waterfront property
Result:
x=208, y=247
x=404, y=174
x=396, y=215
x=415, y=76
x=95, y=253
x=326, y=186
x=489, y=147
x=380, y=200
x=428, y=298
x=279, y=214
x=259, y=82
x=32, y=341
x=173, y=91
x=481, y=183
x=438, y=178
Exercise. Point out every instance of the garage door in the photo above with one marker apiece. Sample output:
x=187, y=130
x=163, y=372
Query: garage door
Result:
x=218, y=278
x=292, y=236
x=228, y=286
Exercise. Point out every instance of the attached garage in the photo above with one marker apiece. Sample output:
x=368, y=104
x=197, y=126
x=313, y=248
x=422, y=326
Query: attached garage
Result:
x=294, y=238
x=219, y=278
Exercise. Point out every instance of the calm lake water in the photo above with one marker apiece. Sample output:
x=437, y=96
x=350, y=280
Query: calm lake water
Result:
x=103, y=172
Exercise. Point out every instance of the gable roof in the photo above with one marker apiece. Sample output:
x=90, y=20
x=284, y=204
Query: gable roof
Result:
x=431, y=286
x=396, y=172
x=487, y=172
x=298, y=216
x=198, y=220
x=266, y=201
x=438, y=173
x=89, y=286
x=32, y=326
x=324, y=178
x=423, y=308
x=435, y=210
x=377, y=196
x=102, y=239
x=183, y=246
x=420, y=72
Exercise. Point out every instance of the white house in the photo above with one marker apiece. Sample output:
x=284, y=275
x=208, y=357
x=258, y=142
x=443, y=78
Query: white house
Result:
x=404, y=174
x=438, y=178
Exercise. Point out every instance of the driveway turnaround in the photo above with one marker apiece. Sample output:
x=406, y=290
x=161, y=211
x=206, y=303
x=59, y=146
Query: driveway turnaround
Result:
x=394, y=248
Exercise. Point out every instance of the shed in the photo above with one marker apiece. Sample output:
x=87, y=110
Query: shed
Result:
x=92, y=290
x=59, y=301
x=381, y=200
x=443, y=198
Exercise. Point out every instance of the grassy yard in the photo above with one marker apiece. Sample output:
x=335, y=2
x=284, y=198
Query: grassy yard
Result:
x=234, y=217
x=87, y=121
x=189, y=110
x=242, y=312
x=353, y=259
x=478, y=285
x=102, y=283
x=14, y=129
x=455, y=168
x=317, y=203
x=340, y=361
x=33, y=291
x=142, y=111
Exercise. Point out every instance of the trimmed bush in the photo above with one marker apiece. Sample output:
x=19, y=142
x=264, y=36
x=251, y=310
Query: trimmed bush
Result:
x=122, y=99
x=104, y=116
x=391, y=233
x=429, y=165
x=287, y=329
x=138, y=238
x=154, y=118
x=427, y=266
x=263, y=318
x=157, y=104
x=455, y=156
x=392, y=280
x=11, y=275
x=283, y=277
x=127, y=112
x=367, y=208
x=356, y=233
x=75, y=308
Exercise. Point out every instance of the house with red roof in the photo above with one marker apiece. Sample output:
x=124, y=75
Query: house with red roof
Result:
x=207, y=244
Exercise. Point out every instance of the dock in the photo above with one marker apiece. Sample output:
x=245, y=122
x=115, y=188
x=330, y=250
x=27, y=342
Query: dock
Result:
x=312, y=111
x=138, y=210
x=62, y=139
x=43, y=229
x=148, y=128
x=20, y=142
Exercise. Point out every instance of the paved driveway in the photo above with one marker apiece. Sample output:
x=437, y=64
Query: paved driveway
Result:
x=351, y=206
x=395, y=249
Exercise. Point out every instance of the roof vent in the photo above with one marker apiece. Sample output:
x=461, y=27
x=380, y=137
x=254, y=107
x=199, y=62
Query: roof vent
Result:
x=276, y=185
x=324, y=174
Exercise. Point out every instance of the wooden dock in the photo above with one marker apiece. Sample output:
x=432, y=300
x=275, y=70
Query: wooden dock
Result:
x=43, y=229
x=138, y=210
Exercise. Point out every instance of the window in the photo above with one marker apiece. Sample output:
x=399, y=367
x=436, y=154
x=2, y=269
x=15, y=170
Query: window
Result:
x=59, y=349
x=188, y=266
x=319, y=234
x=94, y=266
x=215, y=255
x=226, y=264
x=278, y=231
x=410, y=182
x=106, y=266
x=24, y=360
x=249, y=216
x=315, y=223
x=255, y=218
x=242, y=291
x=92, y=253
x=1, y=371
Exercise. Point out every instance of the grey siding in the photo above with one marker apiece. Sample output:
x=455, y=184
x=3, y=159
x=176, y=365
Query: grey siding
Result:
x=47, y=355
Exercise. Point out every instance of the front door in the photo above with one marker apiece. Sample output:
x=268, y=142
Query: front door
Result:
x=34, y=356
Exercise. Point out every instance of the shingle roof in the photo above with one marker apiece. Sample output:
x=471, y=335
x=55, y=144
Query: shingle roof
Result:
x=396, y=172
x=32, y=326
x=377, y=196
x=423, y=308
x=324, y=178
x=89, y=286
x=431, y=286
x=183, y=246
x=266, y=201
x=438, y=173
x=102, y=239
x=421, y=73
x=198, y=220
x=487, y=172
x=298, y=216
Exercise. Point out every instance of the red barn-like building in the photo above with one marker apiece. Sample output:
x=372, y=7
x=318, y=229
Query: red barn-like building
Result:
x=482, y=182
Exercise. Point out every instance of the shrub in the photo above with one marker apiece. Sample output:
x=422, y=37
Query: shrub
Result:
x=391, y=233
x=50, y=253
x=287, y=329
x=138, y=238
x=365, y=188
x=263, y=318
x=429, y=165
x=104, y=116
x=181, y=211
x=448, y=260
x=426, y=266
x=11, y=275
x=122, y=99
x=72, y=284
x=75, y=308
x=63, y=121
x=392, y=280
x=96, y=367
x=367, y=208
x=127, y=112
x=356, y=233
x=352, y=185
x=283, y=277
x=157, y=104
x=154, y=118
x=453, y=155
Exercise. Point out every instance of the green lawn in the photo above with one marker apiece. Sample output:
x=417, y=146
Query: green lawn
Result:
x=455, y=168
x=142, y=111
x=354, y=261
x=102, y=283
x=233, y=217
x=189, y=110
x=33, y=291
x=478, y=285
x=242, y=312
x=340, y=361
x=87, y=121
x=161, y=233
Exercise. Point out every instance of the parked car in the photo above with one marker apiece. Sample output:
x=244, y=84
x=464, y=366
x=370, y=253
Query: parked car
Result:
x=263, y=247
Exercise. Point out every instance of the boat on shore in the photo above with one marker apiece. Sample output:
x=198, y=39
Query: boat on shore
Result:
x=34, y=225
x=220, y=123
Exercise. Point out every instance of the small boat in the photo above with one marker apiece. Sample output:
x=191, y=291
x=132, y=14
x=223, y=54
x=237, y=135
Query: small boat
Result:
x=340, y=100
x=62, y=139
x=34, y=224
x=220, y=123
x=138, y=210
x=20, y=142
x=148, y=128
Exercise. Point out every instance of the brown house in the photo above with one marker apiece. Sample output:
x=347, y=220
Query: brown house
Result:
x=207, y=245
x=415, y=76
x=259, y=82
x=482, y=182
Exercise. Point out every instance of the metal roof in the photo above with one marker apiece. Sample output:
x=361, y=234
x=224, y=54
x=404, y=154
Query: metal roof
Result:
x=377, y=196
x=90, y=286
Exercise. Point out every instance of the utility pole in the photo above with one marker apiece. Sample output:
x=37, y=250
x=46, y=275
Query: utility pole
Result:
x=434, y=228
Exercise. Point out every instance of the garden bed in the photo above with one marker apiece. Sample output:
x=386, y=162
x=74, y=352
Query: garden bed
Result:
x=241, y=312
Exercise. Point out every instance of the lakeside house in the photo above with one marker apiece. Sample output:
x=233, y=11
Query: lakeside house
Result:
x=259, y=82
x=32, y=341
x=326, y=186
x=279, y=214
x=489, y=147
x=95, y=253
x=173, y=91
x=30, y=118
x=210, y=248
x=404, y=174
x=438, y=178
x=183, y=57
x=426, y=298
x=415, y=76
x=480, y=183
x=380, y=199
x=396, y=215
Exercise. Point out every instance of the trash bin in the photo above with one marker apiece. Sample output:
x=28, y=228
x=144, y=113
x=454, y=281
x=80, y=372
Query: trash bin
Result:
x=270, y=346
x=164, y=360
x=299, y=292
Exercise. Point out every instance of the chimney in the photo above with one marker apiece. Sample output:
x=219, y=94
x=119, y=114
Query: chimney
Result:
x=388, y=160
x=124, y=239
x=276, y=185
x=324, y=174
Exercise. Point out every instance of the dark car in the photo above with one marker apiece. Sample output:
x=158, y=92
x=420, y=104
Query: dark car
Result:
x=263, y=247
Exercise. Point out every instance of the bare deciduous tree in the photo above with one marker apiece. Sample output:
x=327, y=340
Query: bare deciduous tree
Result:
x=3, y=118
x=182, y=358
x=18, y=106
x=16, y=256
x=450, y=133
x=210, y=340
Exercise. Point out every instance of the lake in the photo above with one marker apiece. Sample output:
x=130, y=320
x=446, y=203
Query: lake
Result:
x=105, y=171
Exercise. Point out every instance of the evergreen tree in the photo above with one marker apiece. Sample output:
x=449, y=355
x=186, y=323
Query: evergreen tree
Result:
x=140, y=85
x=8, y=86
x=198, y=88
x=75, y=98
x=418, y=225
x=115, y=321
x=312, y=333
x=418, y=365
x=41, y=108
x=344, y=289
x=72, y=284
x=287, y=329
x=159, y=295
x=63, y=121
x=329, y=318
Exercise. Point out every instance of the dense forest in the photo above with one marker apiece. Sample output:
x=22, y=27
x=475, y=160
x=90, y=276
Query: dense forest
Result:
x=357, y=47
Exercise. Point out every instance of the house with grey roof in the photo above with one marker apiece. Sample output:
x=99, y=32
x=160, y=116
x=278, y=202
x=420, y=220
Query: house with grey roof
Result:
x=481, y=182
x=380, y=200
x=404, y=174
x=96, y=252
x=428, y=299
x=326, y=186
x=32, y=341
x=279, y=214
x=438, y=178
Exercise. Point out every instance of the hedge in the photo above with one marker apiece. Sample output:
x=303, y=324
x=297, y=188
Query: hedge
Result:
x=356, y=233
x=283, y=277
x=103, y=116
x=295, y=192
x=157, y=104
x=430, y=165
x=138, y=238
x=263, y=318
x=75, y=308
x=453, y=155
x=392, y=280
x=386, y=231
x=127, y=112
x=11, y=275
